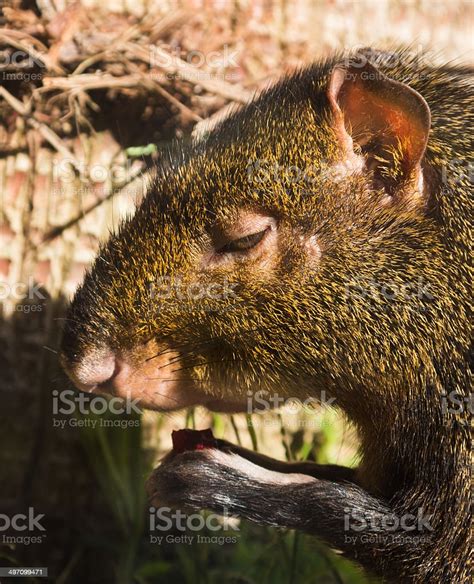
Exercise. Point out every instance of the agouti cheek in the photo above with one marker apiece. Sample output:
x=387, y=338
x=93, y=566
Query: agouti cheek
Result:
x=265, y=257
x=312, y=250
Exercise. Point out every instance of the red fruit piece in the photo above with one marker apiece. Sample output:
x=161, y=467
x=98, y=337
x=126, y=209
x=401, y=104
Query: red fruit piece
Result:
x=192, y=440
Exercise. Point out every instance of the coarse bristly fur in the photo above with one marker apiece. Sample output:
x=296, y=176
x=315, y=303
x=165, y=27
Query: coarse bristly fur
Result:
x=391, y=361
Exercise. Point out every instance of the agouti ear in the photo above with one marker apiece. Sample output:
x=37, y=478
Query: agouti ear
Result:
x=387, y=119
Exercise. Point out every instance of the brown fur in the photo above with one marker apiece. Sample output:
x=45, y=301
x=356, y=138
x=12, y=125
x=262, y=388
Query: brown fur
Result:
x=300, y=329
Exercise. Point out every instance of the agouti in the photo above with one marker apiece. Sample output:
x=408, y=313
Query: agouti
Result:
x=316, y=240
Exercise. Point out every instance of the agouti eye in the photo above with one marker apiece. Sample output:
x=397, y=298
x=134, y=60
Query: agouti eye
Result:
x=244, y=243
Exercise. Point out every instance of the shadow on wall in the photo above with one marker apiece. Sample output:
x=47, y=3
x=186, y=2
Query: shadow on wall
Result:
x=47, y=466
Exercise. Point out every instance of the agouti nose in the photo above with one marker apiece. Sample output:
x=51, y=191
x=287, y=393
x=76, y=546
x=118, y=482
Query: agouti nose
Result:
x=95, y=368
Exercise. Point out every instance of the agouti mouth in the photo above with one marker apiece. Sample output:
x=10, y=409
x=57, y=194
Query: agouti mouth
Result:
x=225, y=406
x=155, y=384
x=151, y=398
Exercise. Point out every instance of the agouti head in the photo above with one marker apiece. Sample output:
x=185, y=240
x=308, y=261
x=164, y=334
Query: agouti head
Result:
x=284, y=252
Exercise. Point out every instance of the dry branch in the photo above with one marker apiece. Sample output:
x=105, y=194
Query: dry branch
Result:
x=46, y=132
x=176, y=67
